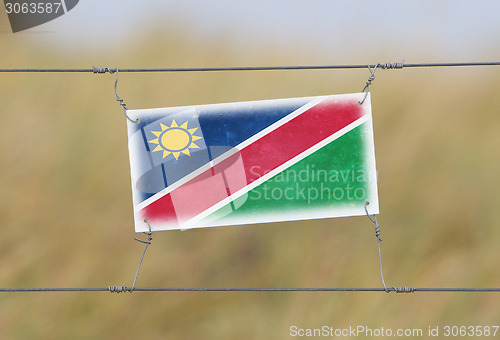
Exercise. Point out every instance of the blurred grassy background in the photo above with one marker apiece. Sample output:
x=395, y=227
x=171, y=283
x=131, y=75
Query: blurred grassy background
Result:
x=66, y=211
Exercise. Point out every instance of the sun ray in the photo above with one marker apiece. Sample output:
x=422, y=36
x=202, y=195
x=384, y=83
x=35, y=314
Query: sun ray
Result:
x=156, y=133
x=195, y=137
x=174, y=124
x=176, y=154
x=154, y=141
x=186, y=152
x=158, y=148
x=166, y=153
x=163, y=127
x=193, y=146
x=191, y=131
x=184, y=126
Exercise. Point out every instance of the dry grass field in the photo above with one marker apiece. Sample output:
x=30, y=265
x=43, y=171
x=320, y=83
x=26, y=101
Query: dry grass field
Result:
x=66, y=207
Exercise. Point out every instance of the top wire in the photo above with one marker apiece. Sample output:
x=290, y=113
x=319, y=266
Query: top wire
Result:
x=250, y=68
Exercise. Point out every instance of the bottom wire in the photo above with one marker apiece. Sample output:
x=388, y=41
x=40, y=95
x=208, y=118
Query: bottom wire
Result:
x=173, y=289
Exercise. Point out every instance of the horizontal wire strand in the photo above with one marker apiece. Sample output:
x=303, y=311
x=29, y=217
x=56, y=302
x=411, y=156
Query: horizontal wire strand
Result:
x=249, y=68
x=136, y=289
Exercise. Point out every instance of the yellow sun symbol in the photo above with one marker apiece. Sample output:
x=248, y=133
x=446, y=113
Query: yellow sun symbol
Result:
x=175, y=139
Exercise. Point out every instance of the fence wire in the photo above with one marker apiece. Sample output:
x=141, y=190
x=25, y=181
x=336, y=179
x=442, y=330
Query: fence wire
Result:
x=122, y=289
x=397, y=65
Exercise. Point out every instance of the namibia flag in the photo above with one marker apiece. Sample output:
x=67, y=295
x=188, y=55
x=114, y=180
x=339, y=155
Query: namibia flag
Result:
x=252, y=162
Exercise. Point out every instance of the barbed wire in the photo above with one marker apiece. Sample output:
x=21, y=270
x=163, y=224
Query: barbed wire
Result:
x=398, y=65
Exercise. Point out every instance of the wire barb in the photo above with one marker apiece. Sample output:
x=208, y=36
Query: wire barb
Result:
x=385, y=66
x=147, y=242
x=368, y=82
x=118, y=289
x=120, y=100
x=377, y=235
x=122, y=289
x=392, y=66
x=404, y=289
x=102, y=70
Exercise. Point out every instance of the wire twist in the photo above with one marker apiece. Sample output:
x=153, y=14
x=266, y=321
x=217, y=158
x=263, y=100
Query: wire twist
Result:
x=374, y=220
x=404, y=289
x=117, y=289
x=147, y=242
x=102, y=70
x=392, y=66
